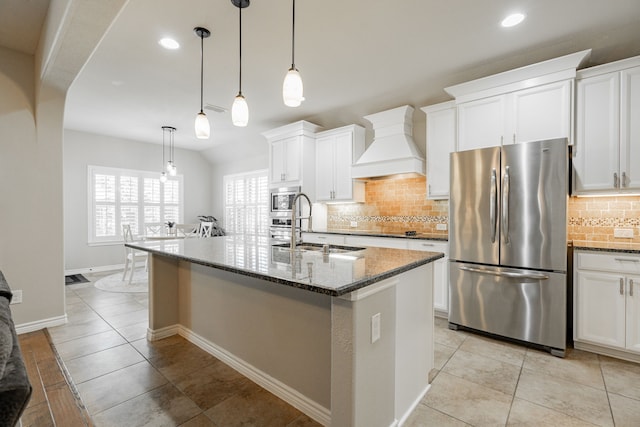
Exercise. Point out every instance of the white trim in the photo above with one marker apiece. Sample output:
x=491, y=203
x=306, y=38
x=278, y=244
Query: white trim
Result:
x=167, y=331
x=618, y=354
x=41, y=324
x=610, y=67
x=363, y=293
x=294, y=398
x=554, y=69
x=413, y=406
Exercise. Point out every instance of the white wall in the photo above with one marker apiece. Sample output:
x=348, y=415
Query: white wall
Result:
x=83, y=149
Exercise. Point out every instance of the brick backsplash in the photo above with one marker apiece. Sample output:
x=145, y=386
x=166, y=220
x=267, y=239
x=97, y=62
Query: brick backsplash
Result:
x=594, y=218
x=392, y=206
x=399, y=205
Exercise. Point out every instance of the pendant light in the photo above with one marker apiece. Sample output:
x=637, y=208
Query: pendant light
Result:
x=171, y=164
x=240, y=109
x=292, y=86
x=163, y=174
x=202, y=123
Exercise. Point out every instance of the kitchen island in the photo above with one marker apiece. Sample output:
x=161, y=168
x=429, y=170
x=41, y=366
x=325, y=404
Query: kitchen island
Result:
x=344, y=336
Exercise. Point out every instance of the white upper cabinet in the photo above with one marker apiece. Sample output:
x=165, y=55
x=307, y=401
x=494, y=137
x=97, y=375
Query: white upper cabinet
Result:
x=336, y=150
x=526, y=104
x=607, y=129
x=441, y=141
x=481, y=123
x=537, y=113
x=292, y=156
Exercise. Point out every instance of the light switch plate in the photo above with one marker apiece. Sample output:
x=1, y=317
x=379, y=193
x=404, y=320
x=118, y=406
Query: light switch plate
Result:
x=17, y=297
x=441, y=227
x=625, y=233
x=354, y=224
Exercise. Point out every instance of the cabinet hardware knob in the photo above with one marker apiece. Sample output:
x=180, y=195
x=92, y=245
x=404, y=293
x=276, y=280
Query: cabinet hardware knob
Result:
x=627, y=259
x=615, y=180
x=630, y=287
x=623, y=179
x=621, y=286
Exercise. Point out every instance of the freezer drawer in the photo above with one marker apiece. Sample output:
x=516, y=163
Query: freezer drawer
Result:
x=525, y=305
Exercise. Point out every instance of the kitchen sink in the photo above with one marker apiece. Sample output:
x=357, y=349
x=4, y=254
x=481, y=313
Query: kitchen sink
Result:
x=318, y=247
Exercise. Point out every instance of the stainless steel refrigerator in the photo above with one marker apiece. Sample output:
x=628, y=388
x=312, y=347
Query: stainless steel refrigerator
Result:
x=508, y=241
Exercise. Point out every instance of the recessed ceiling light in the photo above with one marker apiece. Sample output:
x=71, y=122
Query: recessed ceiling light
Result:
x=168, y=43
x=512, y=20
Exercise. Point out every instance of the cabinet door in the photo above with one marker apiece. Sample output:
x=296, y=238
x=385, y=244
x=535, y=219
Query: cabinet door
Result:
x=441, y=140
x=343, y=183
x=378, y=242
x=292, y=159
x=325, y=158
x=630, y=129
x=440, y=273
x=633, y=313
x=600, y=308
x=277, y=162
x=481, y=123
x=597, y=155
x=542, y=112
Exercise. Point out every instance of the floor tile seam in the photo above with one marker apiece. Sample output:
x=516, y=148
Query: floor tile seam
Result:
x=54, y=341
x=481, y=385
x=624, y=396
x=519, y=366
x=555, y=410
x=91, y=352
x=576, y=381
x=129, y=399
x=443, y=413
x=106, y=349
x=556, y=378
x=515, y=389
x=115, y=370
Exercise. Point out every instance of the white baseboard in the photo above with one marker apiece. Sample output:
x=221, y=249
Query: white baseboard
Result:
x=309, y=407
x=411, y=408
x=94, y=269
x=611, y=352
x=167, y=331
x=24, y=328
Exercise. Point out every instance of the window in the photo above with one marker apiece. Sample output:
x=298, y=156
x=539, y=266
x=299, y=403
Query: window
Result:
x=121, y=196
x=246, y=203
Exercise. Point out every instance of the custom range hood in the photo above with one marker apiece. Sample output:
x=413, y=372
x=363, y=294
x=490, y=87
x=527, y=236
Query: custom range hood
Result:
x=393, y=151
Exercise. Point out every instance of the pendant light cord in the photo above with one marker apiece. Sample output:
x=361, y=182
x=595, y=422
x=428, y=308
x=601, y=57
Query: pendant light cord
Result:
x=163, y=132
x=293, y=35
x=240, y=50
x=201, y=69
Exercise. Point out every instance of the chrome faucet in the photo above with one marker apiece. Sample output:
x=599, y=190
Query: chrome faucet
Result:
x=293, y=218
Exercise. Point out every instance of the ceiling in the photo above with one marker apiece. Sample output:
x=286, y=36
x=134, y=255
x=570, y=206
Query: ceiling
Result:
x=356, y=57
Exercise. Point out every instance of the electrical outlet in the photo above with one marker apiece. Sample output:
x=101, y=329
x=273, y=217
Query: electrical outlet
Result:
x=441, y=227
x=375, y=327
x=354, y=224
x=625, y=233
x=17, y=297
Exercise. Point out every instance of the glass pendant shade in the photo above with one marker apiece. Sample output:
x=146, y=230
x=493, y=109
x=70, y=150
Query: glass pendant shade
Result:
x=163, y=177
x=169, y=166
x=240, y=111
x=174, y=170
x=202, y=126
x=292, y=88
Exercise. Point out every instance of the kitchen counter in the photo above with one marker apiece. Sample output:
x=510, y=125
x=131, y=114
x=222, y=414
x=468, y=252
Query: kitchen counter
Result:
x=336, y=274
x=345, y=337
x=418, y=236
x=615, y=247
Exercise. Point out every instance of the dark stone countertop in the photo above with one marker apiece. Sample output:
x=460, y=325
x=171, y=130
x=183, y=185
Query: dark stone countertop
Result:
x=614, y=247
x=418, y=236
x=334, y=274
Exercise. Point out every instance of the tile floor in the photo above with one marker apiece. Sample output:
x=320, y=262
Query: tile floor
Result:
x=125, y=380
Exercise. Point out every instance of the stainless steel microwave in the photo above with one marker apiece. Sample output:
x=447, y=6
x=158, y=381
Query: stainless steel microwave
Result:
x=282, y=199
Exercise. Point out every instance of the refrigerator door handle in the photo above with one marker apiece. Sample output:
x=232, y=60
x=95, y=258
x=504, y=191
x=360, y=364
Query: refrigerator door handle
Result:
x=493, y=205
x=535, y=276
x=505, y=205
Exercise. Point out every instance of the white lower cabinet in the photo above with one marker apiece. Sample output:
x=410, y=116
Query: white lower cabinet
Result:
x=607, y=300
x=440, y=273
x=330, y=239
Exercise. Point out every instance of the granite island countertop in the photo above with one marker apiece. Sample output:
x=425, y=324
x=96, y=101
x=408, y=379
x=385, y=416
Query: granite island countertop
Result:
x=333, y=274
